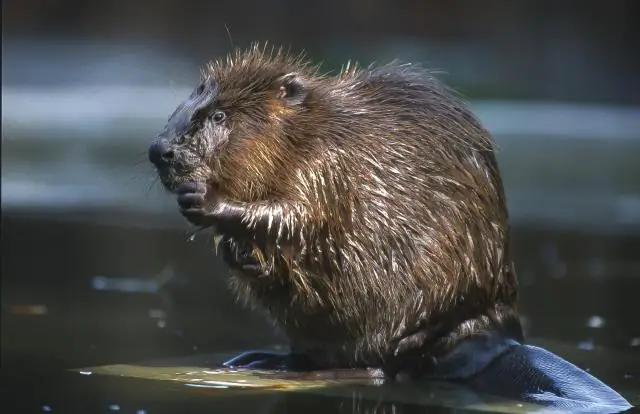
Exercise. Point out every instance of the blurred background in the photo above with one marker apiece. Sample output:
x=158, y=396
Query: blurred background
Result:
x=98, y=266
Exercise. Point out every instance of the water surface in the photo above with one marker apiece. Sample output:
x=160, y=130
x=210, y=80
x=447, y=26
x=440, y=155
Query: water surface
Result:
x=78, y=295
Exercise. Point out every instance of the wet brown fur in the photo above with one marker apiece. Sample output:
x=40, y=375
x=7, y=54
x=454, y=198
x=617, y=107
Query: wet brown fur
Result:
x=390, y=231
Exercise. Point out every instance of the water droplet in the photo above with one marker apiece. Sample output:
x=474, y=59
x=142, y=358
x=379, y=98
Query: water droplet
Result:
x=141, y=412
x=46, y=408
x=627, y=376
x=635, y=342
x=595, y=322
x=114, y=407
x=162, y=324
x=86, y=373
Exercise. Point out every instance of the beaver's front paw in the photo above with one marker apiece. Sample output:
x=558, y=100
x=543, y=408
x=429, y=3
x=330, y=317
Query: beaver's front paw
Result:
x=193, y=199
x=239, y=255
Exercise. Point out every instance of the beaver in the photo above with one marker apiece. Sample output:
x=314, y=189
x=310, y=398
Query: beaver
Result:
x=364, y=211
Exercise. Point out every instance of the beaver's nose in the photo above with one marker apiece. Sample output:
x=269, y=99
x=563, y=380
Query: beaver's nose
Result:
x=160, y=153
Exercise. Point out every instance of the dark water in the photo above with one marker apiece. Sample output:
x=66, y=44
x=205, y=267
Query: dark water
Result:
x=580, y=297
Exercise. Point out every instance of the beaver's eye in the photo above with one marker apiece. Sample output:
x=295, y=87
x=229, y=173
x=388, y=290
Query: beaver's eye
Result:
x=219, y=116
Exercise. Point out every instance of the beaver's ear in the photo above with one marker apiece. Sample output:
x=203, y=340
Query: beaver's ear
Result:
x=291, y=88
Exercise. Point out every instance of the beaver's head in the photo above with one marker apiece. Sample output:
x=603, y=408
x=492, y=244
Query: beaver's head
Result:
x=232, y=131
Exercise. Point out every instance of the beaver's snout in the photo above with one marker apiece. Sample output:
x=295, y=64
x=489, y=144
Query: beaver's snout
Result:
x=161, y=154
x=173, y=163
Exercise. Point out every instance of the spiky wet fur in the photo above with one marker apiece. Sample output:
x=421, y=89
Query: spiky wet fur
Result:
x=388, y=229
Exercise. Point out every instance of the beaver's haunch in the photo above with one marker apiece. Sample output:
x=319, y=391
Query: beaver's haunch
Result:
x=364, y=211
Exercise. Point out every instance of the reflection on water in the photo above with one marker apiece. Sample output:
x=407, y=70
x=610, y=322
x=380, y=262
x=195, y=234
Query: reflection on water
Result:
x=77, y=295
x=348, y=385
